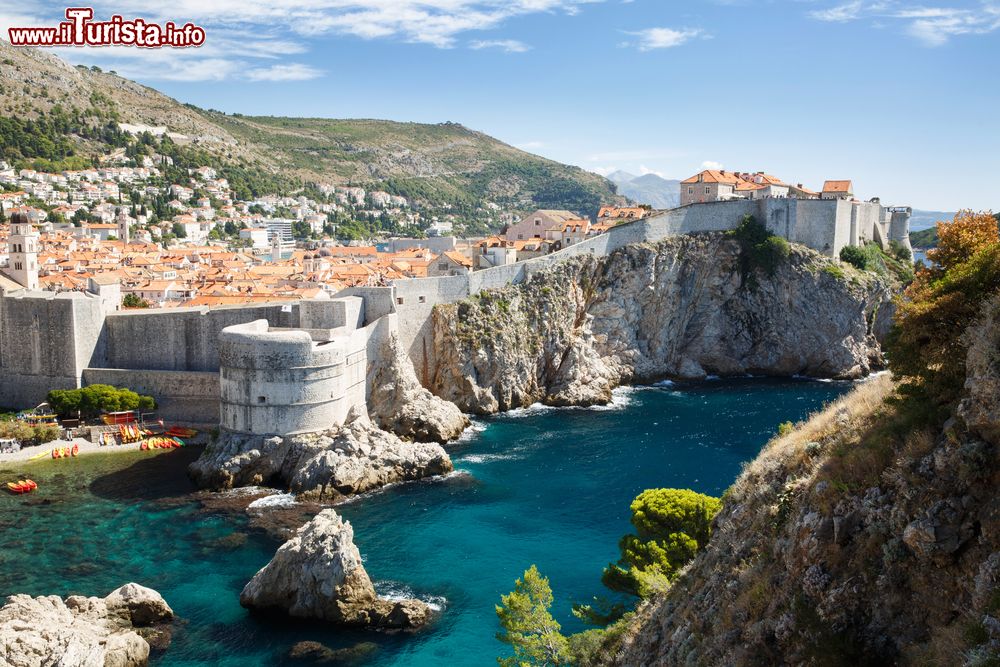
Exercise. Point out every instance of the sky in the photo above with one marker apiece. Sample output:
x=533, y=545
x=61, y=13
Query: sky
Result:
x=900, y=97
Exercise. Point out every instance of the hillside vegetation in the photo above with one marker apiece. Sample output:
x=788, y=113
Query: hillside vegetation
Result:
x=928, y=238
x=60, y=116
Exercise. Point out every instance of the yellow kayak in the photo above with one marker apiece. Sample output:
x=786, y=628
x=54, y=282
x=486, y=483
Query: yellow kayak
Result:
x=39, y=456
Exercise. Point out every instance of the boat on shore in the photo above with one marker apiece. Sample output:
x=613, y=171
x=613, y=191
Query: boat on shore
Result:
x=22, y=486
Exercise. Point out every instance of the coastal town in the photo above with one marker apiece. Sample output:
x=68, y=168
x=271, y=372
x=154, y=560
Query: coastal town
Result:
x=195, y=243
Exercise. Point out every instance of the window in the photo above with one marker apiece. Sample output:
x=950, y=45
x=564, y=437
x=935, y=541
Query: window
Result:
x=708, y=190
x=17, y=266
x=421, y=299
x=538, y=221
x=399, y=300
x=262, y=399
x=690, y=189
x=443, y=266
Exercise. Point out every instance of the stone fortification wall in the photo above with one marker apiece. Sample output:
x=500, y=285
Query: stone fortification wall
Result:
x=180, y=339
x=46, y=340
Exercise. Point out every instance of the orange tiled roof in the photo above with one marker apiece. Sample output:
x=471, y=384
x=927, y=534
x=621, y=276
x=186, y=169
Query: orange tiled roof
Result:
x=837, y=187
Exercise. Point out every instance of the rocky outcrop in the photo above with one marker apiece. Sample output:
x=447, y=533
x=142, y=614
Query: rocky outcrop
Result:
x=80, y=631
x=318, y=574
x=857, y=538
x=400, y=404
x=325, y=465
x=682, y=308
x=981, y=409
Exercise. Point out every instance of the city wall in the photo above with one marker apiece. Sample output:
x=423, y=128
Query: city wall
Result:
x=50, y=341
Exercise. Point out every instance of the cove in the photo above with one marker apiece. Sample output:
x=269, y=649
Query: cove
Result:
x=544, y=486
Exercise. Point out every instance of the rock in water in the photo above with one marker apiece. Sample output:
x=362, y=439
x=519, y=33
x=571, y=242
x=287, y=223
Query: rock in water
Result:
x=401, y=405
x=80, y=631
x=318, y=574
x=325, y=465
x=140, y=605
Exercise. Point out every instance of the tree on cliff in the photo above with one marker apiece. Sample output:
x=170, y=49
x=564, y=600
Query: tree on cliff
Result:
x=671, y=525
x=926, y=348
x=528, y=626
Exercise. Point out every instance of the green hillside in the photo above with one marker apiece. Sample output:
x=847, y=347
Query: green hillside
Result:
x=60, y=116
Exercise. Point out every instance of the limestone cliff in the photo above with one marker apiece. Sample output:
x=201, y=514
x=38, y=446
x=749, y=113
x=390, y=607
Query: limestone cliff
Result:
x=400, y=405
x=683, y=308
x=834, y=548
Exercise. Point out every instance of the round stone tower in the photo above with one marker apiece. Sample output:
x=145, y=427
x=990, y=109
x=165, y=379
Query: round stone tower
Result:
x=279, y=382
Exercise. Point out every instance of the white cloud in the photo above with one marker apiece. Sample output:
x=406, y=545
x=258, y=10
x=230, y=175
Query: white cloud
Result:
x=664, y=38
x=284, y=72
x=711, y=164
x=242, y=31
x=508, y=45
x=643, y=170
x=603, y=171
x=932, y=26
x=436, y=22
x=840, y=13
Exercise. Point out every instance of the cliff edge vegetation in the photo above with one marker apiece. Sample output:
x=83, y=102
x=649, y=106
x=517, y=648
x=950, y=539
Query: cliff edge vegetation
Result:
x=870, y=533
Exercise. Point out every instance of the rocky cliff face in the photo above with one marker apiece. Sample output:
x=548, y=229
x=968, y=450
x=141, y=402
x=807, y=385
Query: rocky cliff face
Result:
x=318, y=574
x=325, y=465
x=81, y=631
x=678, y=309
x=399, y=404
x=833, y=549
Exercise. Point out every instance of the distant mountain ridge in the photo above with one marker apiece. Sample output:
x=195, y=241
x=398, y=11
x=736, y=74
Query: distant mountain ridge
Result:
x=648, y=189
x=443, y=165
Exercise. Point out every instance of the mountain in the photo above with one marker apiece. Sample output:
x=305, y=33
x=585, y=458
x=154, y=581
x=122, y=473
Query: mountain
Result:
x=648, y=189
x=59, y=116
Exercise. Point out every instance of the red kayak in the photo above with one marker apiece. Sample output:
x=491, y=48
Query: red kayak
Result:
x=22, y=486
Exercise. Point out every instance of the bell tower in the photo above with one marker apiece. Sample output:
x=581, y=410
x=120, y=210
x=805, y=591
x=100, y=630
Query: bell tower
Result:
x=123, y=225
x=22, y=245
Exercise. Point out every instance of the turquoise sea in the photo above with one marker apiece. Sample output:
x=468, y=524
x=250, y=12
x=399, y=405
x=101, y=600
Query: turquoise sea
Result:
x=544, y=486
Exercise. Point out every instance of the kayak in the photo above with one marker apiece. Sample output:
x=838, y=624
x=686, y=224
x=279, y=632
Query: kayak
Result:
x=22, y=486
x=39, y=456
x=76, y=449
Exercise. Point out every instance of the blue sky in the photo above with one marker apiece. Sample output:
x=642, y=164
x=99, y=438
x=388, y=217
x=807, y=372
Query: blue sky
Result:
x=900, y=97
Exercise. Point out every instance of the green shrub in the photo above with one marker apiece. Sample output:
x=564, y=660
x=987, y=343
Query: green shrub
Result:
x=854, y=256
x=759, y=248
x=672, y=525
x=97, y=398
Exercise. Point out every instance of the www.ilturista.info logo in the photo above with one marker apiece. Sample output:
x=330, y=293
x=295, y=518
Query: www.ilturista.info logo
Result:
x=80, y=30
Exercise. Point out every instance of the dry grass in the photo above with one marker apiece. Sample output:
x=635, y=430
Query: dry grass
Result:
x=793, y=455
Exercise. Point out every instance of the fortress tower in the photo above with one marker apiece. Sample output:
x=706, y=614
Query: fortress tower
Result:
x=23, y=251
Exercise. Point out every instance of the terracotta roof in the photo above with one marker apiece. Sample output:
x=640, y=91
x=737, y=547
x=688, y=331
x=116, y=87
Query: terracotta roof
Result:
x=712, y=176
x=837, y=186
x=458, y=258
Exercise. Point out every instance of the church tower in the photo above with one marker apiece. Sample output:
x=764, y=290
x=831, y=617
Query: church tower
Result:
x=123, y=225
x=276, y=247
x=22, y=245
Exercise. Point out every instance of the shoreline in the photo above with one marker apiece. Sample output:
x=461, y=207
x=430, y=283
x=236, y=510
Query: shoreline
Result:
x=31, y=455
